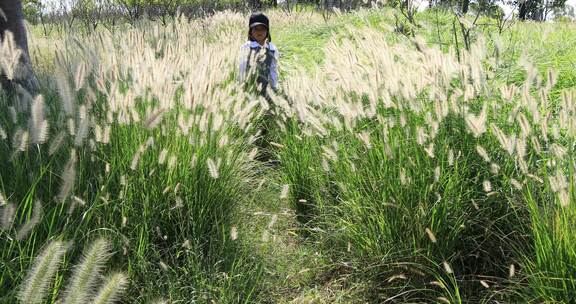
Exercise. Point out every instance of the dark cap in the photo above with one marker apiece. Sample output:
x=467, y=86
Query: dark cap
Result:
x=258, y=18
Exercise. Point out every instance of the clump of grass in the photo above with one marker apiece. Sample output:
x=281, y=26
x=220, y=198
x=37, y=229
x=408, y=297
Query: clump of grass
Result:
x=85, y=277
x=87, y=273
x=431, y=165
x=156, y=160
x=427, y=154
x=40, y=276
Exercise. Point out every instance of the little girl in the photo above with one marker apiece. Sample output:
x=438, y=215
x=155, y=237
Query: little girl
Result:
x=259, y=72
x=259, y=57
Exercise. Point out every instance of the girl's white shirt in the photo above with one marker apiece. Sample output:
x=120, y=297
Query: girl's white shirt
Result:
x=245, y=51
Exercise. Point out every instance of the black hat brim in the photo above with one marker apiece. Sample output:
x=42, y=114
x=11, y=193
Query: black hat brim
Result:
x=257, y=24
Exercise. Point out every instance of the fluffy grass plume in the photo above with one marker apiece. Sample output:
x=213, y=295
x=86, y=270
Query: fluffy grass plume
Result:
x=65, y=92
x=30, y=224
x=33, y=289
x=213, y=168
x=80, y=76
x=56, y=143
x=477, y=123
x=87, y=273
x=38, y=124
x=284, y=192
x=451, y=114
x=8, y=212
x=68, y=177
x=111, y=290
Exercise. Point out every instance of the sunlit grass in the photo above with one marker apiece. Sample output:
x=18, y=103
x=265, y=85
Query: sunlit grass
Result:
x=413, y=173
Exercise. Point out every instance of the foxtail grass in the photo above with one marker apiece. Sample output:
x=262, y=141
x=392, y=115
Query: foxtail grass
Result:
x=37, y=283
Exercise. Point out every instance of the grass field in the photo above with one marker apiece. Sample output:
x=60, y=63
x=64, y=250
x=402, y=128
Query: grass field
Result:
x=411, y=165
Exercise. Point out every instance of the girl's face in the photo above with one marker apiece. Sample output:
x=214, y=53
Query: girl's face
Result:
x=260, y=33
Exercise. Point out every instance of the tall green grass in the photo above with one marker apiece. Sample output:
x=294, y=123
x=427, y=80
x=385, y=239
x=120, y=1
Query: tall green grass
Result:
x=398, y=181
x=438, y=220
x=164, y=188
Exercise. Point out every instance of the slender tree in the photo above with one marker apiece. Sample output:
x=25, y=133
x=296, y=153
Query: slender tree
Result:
x=255, y=4
x=537, y=10
x=12, y=20
x=465, y=6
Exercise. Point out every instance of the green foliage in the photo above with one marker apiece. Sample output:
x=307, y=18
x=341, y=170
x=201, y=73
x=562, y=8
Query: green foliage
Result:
x=32, y=9
x=374, y=205
x=374, y=210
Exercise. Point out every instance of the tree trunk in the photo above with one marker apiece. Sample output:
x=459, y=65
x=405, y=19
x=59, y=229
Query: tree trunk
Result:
x=523, y=11
x=541, y=11
x=255, y=4
x=12, y=20
x=465, y=6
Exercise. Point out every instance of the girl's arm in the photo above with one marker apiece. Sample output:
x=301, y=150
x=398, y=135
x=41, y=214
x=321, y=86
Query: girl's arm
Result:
x=243, y=63
x=274, y=70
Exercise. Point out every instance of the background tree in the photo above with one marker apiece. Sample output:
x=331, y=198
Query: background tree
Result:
x=567, y=12
x=529, y=9
x=255, y=4
x=12, y=20
x=537, y=10
x=32, y=10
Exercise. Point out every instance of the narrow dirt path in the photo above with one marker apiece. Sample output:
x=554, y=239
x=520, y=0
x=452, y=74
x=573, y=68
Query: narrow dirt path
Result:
x=295, y=267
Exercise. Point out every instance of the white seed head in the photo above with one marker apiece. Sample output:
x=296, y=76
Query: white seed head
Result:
x=212, y=168
x=516, y=184
x=431, y=235
x=494, y=168
x=8, y=214
x=162, y=157
x=447, y=268
x=511, y=271
x=284, y=192
x=437, y=174
x=451, y=158
x=564, y=198
x=477, y=123
x=487, y=186
x=482, y=152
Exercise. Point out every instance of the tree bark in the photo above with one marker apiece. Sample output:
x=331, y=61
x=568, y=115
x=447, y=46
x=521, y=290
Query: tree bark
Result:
x=465, y=6
x=532, y=9
x=523, y=11
x=12, y=20
x=255, y=4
